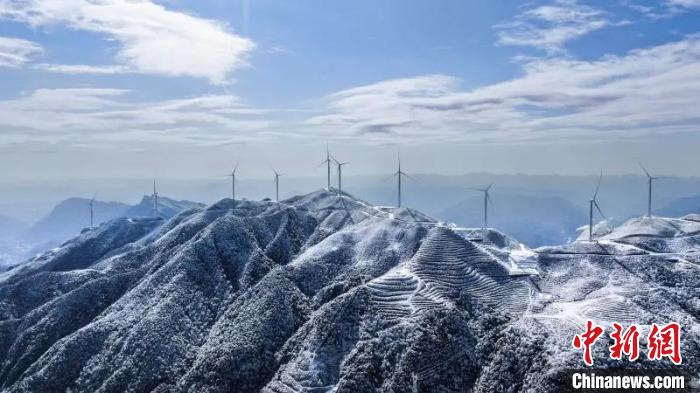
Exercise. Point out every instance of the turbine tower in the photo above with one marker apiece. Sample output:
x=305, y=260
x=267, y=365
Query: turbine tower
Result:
x=487, y=200
x=91, y=203
x=233, y=182
x=155, y=199
x=399, y=173
x=591, y=204
x=650, y=180
x=327, y=161
x=277, y=185
x=340, y=174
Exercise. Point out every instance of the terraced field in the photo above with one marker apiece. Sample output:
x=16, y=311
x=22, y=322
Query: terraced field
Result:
x=324, y=292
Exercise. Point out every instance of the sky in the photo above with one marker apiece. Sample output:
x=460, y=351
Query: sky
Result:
x=186, y=89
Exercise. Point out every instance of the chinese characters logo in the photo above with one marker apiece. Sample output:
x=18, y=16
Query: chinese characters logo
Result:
x=662, y=342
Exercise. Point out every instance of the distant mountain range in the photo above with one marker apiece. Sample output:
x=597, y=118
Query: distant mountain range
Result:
x=68, y=218
x=681, y=207
x=538, y=210
x=323, y=292
x=166, y=207
x=11, y=227
x=536, y=221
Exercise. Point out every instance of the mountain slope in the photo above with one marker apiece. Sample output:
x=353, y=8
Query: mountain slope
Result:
x=318, y=292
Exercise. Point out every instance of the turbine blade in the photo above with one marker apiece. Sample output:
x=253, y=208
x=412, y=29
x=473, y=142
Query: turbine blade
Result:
x=599, y=210
x=597, y=187
x=408, y=176
x=488, y=198
x=644, y=169
x=489, y=187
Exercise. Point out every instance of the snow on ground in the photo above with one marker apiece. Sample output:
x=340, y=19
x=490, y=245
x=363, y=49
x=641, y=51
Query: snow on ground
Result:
x=324, y=292
x=655, y=226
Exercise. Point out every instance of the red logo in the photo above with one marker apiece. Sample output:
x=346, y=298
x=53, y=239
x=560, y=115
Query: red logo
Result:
x=586, y=340
x=625, y=343
x=665, y=342
x=662, y=342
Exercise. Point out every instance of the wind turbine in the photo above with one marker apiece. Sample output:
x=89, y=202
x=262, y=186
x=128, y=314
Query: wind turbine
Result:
x=591, y=204
x=91, y=203
x=327, y=161
x=340, y=173
x=650, y=180
x=487, y=200
x=233, y=182
x=398, y=175
x=277, y=185
x=155, y=199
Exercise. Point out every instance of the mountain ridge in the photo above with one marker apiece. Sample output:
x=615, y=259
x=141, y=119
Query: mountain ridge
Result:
x=319, y=291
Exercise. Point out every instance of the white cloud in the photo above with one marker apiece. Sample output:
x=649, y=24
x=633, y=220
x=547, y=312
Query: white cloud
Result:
x=647, y=91
x=99, y=115
x=152, y=39
x=549, y=27
x=279, y=49
x=14, y=52
x=82, y=69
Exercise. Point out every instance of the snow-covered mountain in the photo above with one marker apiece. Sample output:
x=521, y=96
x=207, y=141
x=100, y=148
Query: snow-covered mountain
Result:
x=324, y=292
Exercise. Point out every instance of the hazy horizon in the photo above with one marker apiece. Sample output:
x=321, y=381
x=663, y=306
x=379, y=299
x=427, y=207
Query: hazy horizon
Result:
x=29, y=200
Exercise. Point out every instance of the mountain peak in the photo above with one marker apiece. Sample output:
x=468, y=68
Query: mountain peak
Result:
x=318, y=292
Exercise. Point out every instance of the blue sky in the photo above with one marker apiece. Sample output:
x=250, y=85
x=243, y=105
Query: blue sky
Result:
x=546, y=86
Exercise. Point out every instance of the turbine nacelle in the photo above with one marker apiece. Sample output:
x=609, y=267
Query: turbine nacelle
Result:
x=398, y=174
x=92, y=201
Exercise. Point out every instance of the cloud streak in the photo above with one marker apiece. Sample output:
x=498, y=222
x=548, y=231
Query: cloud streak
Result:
x=151, y=39
x=646, y=91
x=15, y=52
x=549, y=27
x=98, y=116
x=82, y=69
x=691, y=4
